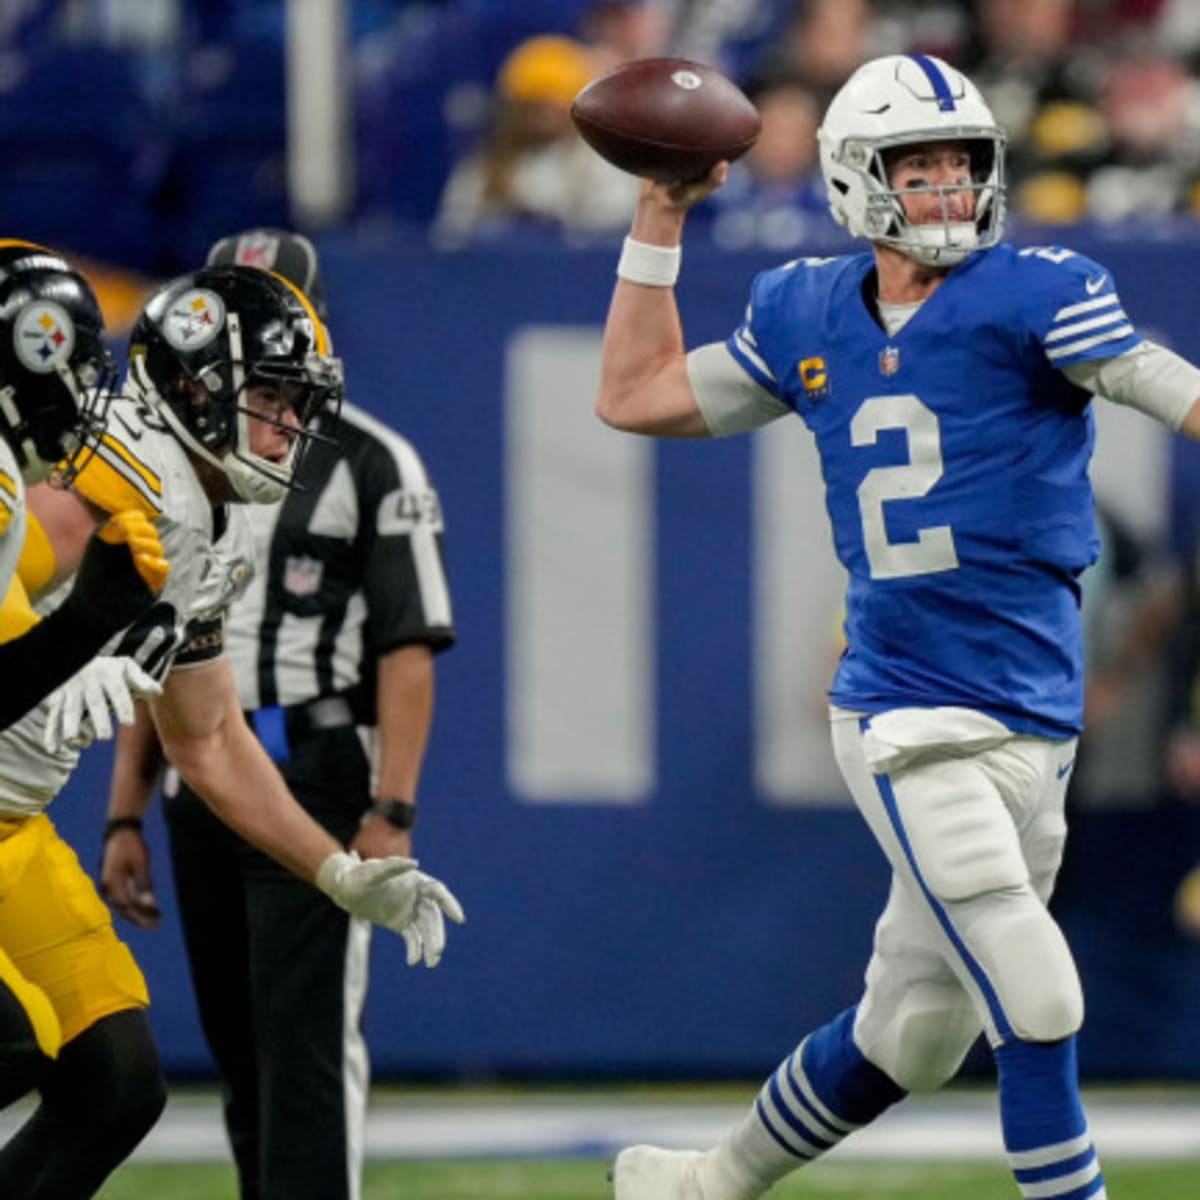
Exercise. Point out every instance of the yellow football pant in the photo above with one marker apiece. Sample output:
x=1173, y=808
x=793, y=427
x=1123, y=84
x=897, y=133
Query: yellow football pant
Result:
x=59, y=954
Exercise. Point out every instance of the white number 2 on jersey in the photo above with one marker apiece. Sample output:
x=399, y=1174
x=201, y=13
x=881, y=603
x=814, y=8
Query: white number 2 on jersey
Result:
x=934, y=548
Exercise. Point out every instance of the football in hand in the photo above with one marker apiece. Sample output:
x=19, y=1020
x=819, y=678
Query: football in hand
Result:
x=665, y=118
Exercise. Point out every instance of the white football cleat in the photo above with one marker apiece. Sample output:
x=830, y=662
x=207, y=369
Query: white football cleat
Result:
x=648, y=1173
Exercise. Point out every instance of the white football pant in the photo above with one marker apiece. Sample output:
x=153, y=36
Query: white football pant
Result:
x=970, y=817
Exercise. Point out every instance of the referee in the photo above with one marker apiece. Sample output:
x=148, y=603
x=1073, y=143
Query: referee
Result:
x=332, y=649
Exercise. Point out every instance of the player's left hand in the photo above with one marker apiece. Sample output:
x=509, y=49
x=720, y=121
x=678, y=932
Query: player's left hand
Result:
x=82, y=709
x=391, y=892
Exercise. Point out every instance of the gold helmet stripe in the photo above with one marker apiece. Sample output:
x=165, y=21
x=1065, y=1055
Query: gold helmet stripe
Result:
x=318, y=324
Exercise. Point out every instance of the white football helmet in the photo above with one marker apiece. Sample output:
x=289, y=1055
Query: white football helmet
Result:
x=901, y=100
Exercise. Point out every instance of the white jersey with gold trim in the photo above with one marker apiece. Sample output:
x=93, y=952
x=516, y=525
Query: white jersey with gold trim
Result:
x=211, y=552
x=12, y=514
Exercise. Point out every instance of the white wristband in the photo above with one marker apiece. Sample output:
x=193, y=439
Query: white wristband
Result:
x=652, y=266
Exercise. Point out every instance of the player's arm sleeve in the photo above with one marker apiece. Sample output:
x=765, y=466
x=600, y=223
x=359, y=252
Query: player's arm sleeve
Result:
x=404, y=583
x=39, y=655
x=729, y=398
x=1149, y=377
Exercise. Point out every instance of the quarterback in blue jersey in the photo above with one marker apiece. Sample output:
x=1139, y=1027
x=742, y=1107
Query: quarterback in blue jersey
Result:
x=947, y=379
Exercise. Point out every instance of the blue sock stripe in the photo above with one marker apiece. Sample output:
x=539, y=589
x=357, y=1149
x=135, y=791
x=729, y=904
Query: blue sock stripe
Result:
x=761, y=1110
x=941, y=88
x=830, y=1128
x=1068, y=1187
x=884, y=784
x=1024, y=1160
x=812, y=1143
x=1054, y=1170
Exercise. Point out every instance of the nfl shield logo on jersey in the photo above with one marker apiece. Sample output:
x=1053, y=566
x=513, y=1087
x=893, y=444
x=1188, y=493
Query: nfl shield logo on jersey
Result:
x=889, y=360
x=302, y=575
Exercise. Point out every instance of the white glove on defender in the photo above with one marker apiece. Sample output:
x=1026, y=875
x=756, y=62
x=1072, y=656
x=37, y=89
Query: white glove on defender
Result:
x=391, y=892
x=82, y=709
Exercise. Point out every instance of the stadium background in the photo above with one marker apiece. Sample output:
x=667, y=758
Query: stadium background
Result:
x=628, y=783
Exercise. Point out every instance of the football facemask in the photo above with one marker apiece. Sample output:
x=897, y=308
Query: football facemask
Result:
x=209, y=344
x=56, y=374
x=905, y=101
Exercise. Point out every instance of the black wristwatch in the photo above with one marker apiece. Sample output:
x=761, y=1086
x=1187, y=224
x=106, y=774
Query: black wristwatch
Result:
x=400, y=813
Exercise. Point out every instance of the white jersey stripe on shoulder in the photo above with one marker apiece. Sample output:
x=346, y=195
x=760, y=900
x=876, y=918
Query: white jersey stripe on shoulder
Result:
x=1066, y=331
x=1073, y=310
x=744, y=345
x=1111, y=335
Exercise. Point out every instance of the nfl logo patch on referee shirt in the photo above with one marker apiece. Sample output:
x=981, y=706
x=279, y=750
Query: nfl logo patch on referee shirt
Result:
x=302, y=575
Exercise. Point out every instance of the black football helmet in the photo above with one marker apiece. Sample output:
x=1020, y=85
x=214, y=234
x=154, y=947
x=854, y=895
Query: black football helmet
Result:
x=204, y=339
x=56, y=374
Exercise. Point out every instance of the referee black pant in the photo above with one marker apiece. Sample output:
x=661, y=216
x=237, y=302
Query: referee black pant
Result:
x=280, y=974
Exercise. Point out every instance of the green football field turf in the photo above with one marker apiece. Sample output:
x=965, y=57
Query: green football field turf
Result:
x=585, y=1180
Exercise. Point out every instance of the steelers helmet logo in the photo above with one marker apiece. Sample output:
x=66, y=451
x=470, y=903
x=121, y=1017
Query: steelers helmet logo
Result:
x=193, y=319
x=43, y=336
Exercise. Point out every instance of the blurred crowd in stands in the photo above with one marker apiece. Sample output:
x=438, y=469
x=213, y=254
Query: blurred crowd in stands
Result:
x=138, y=130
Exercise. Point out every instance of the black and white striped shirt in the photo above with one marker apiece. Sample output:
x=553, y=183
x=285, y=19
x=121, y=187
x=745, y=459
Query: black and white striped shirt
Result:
x=347, y=570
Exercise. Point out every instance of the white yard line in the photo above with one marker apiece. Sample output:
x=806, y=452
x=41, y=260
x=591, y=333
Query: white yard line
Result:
x=437, y=1126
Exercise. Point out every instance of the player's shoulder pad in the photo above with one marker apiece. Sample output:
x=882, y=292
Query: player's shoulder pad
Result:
x=1068, y=302
x=123, y=473
x=800, y=281
x=1059, y=275
x=783, y=299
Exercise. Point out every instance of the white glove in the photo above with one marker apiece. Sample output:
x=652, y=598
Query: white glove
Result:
x=391, y=892
x=82, y=708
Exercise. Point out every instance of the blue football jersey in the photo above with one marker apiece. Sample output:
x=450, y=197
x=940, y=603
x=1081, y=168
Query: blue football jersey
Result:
x=955, y=460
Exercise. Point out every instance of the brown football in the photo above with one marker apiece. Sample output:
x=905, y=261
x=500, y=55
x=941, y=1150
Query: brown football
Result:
x=665, y=118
